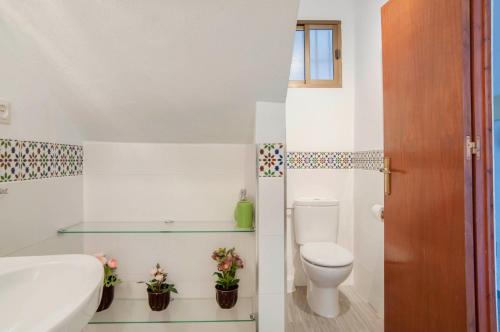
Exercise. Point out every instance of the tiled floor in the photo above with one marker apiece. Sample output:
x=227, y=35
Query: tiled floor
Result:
x=356, y=315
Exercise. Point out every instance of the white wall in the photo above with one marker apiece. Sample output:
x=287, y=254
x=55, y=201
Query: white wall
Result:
x=186, y=257
x=368, y=129
x=148, y=65
x=150, y=182
x=185, y=182
x=323, y=120
x=346, y=119
x=34, y=209
x=270, y=128
x=369, y=121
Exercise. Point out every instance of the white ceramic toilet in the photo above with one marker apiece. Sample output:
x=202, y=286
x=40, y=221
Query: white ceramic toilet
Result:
x=325, y=263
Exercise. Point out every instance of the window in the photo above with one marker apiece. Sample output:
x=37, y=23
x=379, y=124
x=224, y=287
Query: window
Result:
x=316, y=61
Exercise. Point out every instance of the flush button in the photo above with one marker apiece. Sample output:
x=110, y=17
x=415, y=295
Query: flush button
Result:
x=4, y=112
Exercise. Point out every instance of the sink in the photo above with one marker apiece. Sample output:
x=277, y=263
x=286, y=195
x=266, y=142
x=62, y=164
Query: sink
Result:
x=49, y=293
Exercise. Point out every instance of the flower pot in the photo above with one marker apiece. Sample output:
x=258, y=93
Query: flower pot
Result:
x=226, y=298
x=108, y=293
x=158, y=301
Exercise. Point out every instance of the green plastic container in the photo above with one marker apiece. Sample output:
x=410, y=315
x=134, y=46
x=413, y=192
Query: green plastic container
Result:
x=243, y=213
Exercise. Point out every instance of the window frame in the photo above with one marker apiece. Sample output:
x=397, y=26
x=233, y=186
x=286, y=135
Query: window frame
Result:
x=306, y=26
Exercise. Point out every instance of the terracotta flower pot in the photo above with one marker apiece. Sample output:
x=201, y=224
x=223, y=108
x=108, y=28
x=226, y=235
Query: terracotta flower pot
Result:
x=108, y=293
x=226, y=298
x=158, y=301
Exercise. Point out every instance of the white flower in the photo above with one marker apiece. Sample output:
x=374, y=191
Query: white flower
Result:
x=160, y=270
x=102, y=258
x=153, y=271
x=159, y=277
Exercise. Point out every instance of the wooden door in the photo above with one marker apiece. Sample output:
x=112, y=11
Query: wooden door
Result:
x=429, y=263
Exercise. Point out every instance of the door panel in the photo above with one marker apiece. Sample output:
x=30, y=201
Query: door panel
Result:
x=429, y=270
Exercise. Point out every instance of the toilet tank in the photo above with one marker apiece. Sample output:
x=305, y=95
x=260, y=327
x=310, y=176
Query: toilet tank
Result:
x=315, y=220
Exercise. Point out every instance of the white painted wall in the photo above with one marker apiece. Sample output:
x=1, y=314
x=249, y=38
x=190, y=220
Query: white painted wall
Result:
x=185, y=182
x=368, y=129
x=150, y=182
x=34, y=209
x=169, y=71
x=323, y=120
x=270, y=128
x=346, y=119
x=369, y=120
x=186, y=257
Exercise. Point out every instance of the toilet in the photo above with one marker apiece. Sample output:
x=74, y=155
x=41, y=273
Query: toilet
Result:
x=326, y=264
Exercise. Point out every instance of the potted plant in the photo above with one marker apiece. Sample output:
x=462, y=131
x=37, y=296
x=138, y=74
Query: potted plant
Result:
x=109, y=281
x=158, y=289
x=226, y=286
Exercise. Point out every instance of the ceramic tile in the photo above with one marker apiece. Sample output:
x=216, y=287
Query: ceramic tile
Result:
x=271, y=160
x=319, y=160
x=271, y=250
x=271, y=313
x=28, y=160
x=369, y=160
x=271, y=195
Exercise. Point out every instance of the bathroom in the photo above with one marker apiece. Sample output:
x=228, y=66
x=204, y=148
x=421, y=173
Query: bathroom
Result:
x=215, y=181
x=123, y=184
x=334, y=142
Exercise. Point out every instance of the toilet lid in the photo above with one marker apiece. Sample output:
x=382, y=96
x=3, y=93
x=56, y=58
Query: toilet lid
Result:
x=326, y=254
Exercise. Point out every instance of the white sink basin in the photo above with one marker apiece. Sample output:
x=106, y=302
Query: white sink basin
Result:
x=48, y=293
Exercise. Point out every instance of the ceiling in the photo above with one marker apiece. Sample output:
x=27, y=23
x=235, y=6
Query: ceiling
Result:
x=149, y=70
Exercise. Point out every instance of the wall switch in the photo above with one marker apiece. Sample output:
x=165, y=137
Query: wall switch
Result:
x=4, y=112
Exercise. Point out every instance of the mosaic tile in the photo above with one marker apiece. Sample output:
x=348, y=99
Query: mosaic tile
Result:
x=271, y=160
x=29, y=160
x=368, y=160
x=319, y=160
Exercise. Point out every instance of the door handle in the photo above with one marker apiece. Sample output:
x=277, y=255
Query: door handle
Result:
x=386, y=170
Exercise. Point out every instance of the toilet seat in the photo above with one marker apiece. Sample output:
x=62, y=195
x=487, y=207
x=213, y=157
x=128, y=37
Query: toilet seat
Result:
x=326, y=254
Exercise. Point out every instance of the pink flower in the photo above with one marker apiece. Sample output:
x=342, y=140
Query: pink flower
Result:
x=159, y=277
x=153, y=271
x=112, y=263
x=224, y=266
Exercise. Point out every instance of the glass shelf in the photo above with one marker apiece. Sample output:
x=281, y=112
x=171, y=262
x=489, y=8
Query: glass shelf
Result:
x=133, y=311
x=155, y=227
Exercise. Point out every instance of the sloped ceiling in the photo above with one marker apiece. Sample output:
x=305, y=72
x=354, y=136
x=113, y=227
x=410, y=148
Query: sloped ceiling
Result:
x=149, y=70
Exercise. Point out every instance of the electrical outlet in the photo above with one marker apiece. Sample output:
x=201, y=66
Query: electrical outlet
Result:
x=4, y=112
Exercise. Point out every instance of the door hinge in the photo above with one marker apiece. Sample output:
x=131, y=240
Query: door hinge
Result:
x=473, y=147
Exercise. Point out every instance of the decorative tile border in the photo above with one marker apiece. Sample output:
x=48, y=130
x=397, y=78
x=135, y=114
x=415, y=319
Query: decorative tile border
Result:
x=28, y=160
x=368, y=160
x=319, y=160
x=271, y=160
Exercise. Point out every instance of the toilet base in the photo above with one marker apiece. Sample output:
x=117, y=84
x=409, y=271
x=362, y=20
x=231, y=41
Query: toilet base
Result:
x=323, y=301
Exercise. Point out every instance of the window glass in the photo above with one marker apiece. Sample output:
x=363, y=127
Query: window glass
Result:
x=321, y=54
x=297, y=72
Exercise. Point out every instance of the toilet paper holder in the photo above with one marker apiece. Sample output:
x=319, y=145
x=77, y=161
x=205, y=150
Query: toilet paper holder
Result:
x=378, y=211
